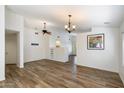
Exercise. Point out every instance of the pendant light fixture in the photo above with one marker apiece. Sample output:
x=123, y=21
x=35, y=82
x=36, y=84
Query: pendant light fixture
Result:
x=58, y=42
x=69, y=27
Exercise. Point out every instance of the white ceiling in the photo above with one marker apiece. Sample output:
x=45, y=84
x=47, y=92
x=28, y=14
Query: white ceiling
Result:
x=82, y=16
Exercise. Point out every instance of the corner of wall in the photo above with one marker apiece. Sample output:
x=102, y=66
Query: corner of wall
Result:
x=3, y=78
x=2, y=42
x=121, y=74
x=122, y=77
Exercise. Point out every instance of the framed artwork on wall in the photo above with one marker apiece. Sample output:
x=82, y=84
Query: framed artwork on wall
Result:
x=95, y=42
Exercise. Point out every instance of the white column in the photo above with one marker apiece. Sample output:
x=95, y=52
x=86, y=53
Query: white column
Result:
x=20, y=42
x=20, y=63
x=2, y=42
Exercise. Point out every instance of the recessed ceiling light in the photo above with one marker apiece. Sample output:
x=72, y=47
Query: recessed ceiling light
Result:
x=106, y=23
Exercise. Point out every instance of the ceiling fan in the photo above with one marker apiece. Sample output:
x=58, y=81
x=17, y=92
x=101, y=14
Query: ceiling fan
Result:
x=45, y=31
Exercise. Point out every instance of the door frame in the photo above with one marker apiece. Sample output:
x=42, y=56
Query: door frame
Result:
x=20, y=50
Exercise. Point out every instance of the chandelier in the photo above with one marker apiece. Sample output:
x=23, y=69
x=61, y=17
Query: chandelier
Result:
x=69, y=27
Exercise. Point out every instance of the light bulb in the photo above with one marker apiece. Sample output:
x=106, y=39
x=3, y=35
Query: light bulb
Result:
x=73, y=26
x=66, y=26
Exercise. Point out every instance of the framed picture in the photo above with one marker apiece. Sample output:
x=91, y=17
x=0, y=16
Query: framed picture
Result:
x=95, y=42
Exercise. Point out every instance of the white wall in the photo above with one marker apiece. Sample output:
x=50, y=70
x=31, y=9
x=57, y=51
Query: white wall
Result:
x=46, y=39
x=59, y=54
x=65, y=44
x=11, y=48
x=2, y=43
x=47, y=42
x=15, y=22
x=32, y=53
x=64, y=37
x=121, y=62
x=106, y=59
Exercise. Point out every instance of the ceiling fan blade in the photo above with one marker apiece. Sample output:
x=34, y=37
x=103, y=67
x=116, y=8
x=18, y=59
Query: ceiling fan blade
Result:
x=49, y=33
x=43, y=33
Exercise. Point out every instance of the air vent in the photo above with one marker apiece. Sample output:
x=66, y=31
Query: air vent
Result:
x=106, y=23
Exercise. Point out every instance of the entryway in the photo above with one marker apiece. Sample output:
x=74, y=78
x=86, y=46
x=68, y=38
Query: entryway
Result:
x=11, y=48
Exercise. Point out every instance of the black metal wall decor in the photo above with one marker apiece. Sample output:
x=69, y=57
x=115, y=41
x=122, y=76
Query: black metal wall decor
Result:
x=36, y=33
x=35, y=44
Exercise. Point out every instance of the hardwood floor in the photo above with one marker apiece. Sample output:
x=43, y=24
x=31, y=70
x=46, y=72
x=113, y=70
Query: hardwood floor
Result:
x=47, y=74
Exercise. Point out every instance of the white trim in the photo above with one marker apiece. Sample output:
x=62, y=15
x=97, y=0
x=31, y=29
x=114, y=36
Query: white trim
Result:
x=1, y=79
x=20, y=66
x=122, y=77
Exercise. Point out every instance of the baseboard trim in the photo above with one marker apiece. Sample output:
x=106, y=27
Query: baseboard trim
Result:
x=99, y=68
x=122, y=77
x=34, y=60
x=56, y=60
x=1, y=79
x=44, y=60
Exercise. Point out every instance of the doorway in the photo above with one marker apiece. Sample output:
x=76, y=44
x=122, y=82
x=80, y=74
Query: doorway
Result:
x=11, y=48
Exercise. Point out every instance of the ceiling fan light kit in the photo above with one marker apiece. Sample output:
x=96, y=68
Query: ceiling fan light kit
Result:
x=69, y=27
x=45, y=31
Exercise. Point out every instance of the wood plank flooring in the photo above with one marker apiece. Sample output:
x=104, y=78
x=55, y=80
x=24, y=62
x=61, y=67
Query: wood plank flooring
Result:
x=51, y=74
